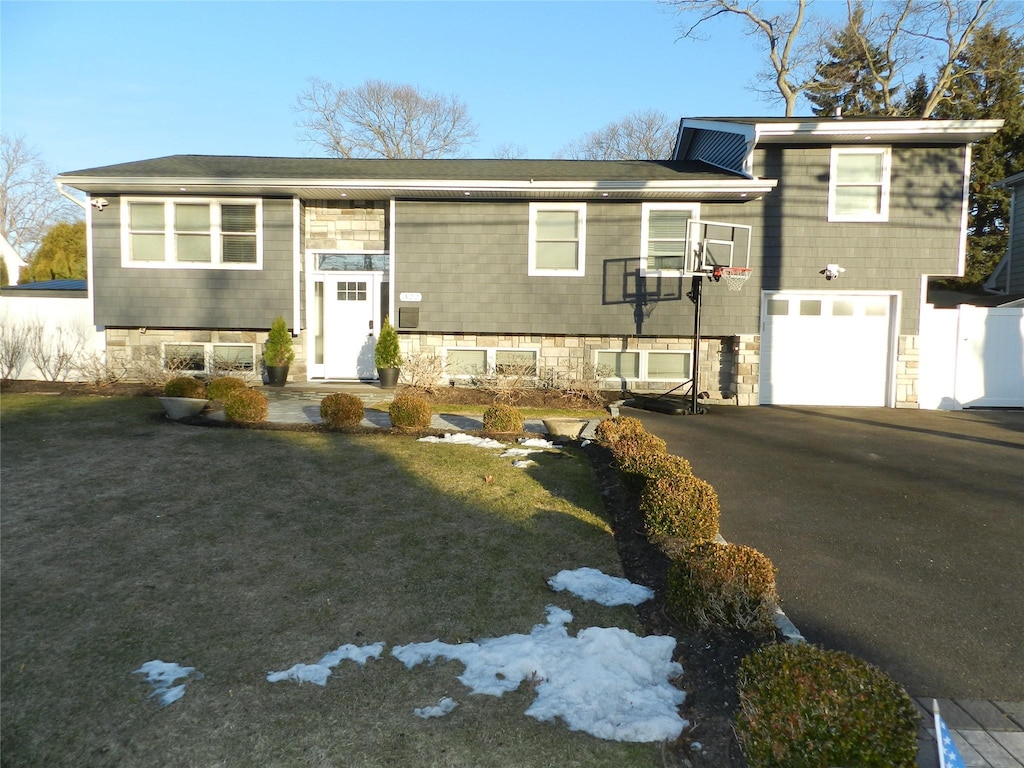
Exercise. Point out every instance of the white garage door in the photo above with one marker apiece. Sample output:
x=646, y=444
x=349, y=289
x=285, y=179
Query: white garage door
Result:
x=826, y=348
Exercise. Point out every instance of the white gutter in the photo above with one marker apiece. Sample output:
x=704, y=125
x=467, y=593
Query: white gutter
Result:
x=81, y=203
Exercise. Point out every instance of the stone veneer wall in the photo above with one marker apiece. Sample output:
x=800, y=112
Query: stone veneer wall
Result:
x=143, y=349
x=341, y=225
x=908, y=359
x=728, y=366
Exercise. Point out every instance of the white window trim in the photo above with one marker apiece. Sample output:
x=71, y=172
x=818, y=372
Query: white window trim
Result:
x=644, y=375
x=581, y=221
x=170, y=262
x=491, y=363
x=645, y=226
x=886, y=183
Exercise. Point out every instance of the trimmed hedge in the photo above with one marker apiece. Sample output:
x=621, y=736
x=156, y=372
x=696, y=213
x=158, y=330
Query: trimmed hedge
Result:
x=341, y=409
x=410, y=411
x=503, y=418
x=222, y=386
x=636, y=455
x=725, y=585
x=611, y=430
x=803, y=707
x=246, y=405
x=185, y=386
x=680, y=506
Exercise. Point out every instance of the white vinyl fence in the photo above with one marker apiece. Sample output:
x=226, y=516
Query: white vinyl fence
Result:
x=971, y=357
x=65, y=328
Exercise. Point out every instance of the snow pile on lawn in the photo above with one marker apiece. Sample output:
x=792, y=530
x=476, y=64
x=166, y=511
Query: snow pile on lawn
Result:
x=161, y=675
x=591, y=584
x=443, y=707
x=319, y=672
x=461, y=438
x=607, y=682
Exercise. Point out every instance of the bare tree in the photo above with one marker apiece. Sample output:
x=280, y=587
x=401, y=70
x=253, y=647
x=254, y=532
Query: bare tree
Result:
x=14, y=347
x=29, y=201
x=642, y=135
x=509, y=151
x=897, y=38
x=381, y=119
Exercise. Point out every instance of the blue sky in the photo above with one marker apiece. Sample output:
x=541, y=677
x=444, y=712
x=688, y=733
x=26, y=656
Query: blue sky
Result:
x=95, y=83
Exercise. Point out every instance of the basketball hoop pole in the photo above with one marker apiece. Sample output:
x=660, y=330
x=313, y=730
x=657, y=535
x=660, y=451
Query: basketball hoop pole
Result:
x=696, y=286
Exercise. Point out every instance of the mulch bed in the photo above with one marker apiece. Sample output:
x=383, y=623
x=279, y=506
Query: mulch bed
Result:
x=710, y=658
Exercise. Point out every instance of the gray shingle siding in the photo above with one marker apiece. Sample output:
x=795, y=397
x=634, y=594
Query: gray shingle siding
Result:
x=193, y=298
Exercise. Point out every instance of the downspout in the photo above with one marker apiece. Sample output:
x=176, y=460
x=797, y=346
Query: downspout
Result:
x=64, y=193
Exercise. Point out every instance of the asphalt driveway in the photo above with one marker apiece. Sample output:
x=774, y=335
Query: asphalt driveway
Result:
x=898, y=534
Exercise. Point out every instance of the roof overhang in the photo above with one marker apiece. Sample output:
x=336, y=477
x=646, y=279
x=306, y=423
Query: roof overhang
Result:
x=704, y=190
x=854, y=129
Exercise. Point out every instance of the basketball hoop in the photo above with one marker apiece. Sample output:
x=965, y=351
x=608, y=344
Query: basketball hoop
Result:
x=735, y=277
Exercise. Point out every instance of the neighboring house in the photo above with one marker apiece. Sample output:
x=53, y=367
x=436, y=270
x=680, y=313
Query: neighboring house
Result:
x=552, y=266
x=1008, y=277
x=11, y=258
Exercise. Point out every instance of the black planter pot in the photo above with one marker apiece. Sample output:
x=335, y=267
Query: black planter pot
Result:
x=277, y=375
x=388, y=377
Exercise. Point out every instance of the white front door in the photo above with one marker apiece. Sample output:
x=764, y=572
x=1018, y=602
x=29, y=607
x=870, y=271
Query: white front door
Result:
x=826, y=348
x=351, y=312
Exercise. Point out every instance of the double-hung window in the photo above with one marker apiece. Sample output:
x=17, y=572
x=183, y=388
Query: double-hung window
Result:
x=858, y=184
x=664, y=241
x=558, y=239
x=192, y=233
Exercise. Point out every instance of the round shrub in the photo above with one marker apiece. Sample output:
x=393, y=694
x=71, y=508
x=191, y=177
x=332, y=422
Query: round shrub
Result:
x=804, y=706
x=503, y=418
x=222, y=386
x=410, y=411
x=246, y=405
x=680, y=507
x=341, y=409
x=185, y=386
x=725, y=585
x=635, y=455
x=610, y=430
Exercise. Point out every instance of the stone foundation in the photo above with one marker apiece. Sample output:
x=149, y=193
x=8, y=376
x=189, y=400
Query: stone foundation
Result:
x=908, y=359
x=339, y=225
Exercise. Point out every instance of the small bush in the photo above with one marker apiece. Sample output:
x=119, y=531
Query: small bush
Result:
x=803, y=706
x=222, y=386
x=185, y=386
x=246, y=405
x=341, y=409
x=725, y=585
x=611, y=430
x=410, y=411
x=636, y=456
x=680, y=506
x=503, y=418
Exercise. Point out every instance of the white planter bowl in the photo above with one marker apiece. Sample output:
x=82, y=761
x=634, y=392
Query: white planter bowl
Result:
x=182, y=407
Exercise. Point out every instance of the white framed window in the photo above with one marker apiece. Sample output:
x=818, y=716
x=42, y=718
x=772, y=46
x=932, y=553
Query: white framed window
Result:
x=665, y=247
x=212, y=358
x=465, y=362
x=192, y=233
x=858, y=183
x=644, y=365
x=558, y=239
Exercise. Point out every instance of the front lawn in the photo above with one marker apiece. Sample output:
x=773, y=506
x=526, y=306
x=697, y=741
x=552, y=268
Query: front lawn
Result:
x=127, y=539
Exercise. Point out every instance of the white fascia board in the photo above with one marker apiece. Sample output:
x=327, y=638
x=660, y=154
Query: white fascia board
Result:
x=968, y=130
x=1011, y=181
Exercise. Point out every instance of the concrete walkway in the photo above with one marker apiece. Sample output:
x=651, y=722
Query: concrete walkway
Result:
x=988, y=734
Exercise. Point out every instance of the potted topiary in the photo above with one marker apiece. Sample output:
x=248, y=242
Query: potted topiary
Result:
x=387, y=356
x=183, y=397
x=278, y=353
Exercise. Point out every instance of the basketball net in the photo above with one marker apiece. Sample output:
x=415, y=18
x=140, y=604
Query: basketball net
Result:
x=734, y=277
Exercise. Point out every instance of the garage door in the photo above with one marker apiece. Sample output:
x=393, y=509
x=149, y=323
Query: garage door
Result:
x=826, y=348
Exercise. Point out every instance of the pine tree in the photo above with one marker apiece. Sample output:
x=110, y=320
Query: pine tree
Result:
x=848, y=77
x=989, y=83
x=61, y=255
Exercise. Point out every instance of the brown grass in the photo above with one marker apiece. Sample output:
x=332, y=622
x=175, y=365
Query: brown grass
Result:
x=127, y=538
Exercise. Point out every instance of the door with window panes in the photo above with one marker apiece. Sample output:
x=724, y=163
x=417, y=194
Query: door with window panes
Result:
x=351, y=318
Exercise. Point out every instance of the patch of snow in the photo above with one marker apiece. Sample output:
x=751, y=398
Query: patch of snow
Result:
x=443, y=707
x=461, y=438
x=517, y=452
x=607, y=682
x=161, y=675
x=319, y=672
x=538, y=442
x=592, y=584
x=524, y=463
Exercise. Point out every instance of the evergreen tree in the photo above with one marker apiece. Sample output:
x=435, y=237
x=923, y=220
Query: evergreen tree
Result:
x=916, y=98
x=61, y=255
x=988, y=82
x=848, y=76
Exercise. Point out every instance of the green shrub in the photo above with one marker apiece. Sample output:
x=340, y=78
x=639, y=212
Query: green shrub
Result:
x=636, y=455
x=725, y=585
x=680, y=506
x=386, y=352
x=503, y=418
x=803, y=707
x=185, y=386
x=610, y=430
x=341, y=409
x=246, y=405
x=667, y=465
x=410, y=411
x=278, y=349
x=222, y=386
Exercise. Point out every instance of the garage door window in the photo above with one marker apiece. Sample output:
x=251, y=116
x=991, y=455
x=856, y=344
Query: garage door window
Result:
x=810, y=307
x=778, y=307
